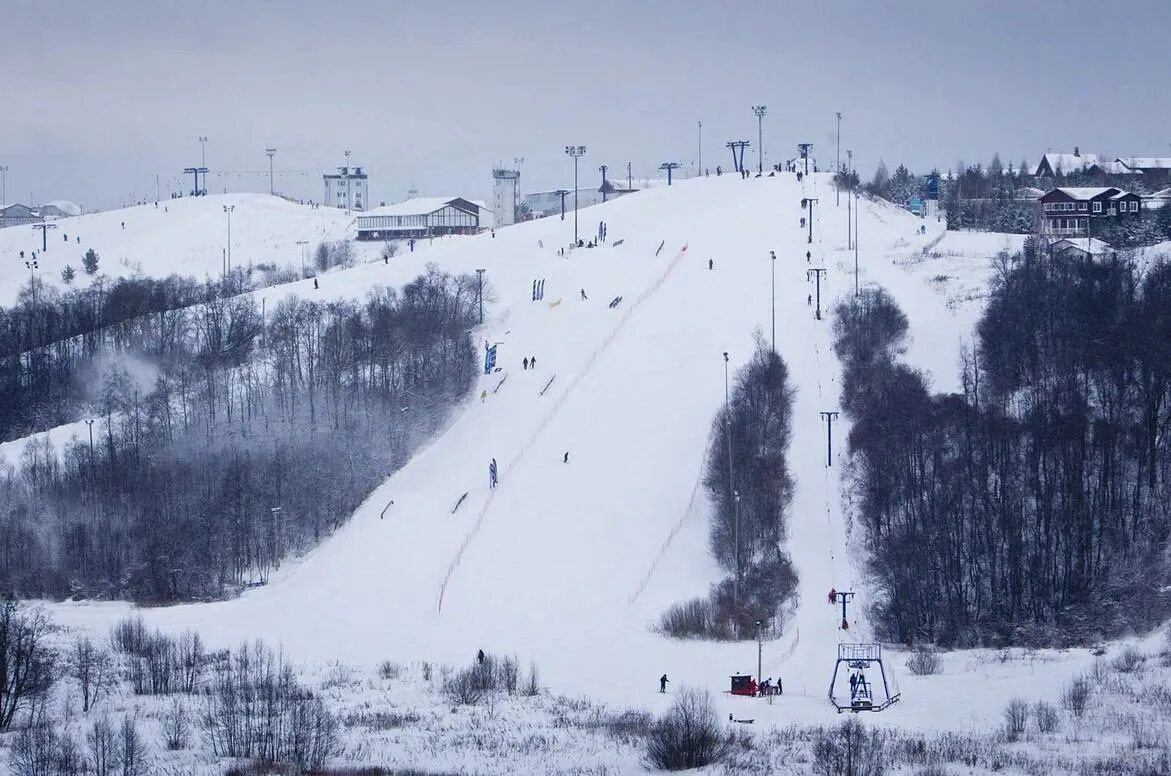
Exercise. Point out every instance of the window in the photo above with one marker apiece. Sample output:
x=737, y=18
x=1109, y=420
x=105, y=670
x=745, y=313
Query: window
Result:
x=1082, y=206
x=1097, y=207
x=1134, y=207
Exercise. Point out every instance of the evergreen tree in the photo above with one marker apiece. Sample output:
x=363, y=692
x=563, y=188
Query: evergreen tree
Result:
x=68, y=273
x=90, y=262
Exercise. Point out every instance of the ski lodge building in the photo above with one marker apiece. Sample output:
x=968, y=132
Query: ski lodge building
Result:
x=424, y=217
x=1069, y=211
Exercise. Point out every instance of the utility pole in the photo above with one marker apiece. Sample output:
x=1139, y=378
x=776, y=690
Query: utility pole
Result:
x=3, y=185
x=849, y=198
x=480, y=291
x=803, y=150
x=228, y=210
x=760, y=110
x=32, y=281
x=668, y=166
x=271, y=153
x=857, y=207
x=561, y=193
x=89, y=422
x=576, y=151
x=816, y=273
x=44, y=227
x=829, y=418
x=809, y=203
x=699, y=157
x=202, y=166
x=602, y=170
x=773, y=264
x=838, y=161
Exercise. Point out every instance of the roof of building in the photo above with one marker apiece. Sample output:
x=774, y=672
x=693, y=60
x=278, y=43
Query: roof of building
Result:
x=1068, y=162
x=1116, y=167
x=1160, y=194
x=1122, y=194
x=1091, y=245
x=1085, y=192
x=1145, y=162
x=417, y=206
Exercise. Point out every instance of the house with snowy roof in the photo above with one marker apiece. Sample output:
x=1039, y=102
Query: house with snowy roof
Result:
x=1054, y=164
x=1067, y=211
x=1155, y=169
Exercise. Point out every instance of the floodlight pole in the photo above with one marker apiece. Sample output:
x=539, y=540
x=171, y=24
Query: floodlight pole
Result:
x=773, y=285
x=561, y=193
x=576, y=151
x=3, y=185
x=271, y=153
x=699, y=157
x=759, y=652
x=731, y=490
x=760, y=110
x=602, y=170
x=228, y=211
x=829, y=418
x=816, y=273
x=838, y=160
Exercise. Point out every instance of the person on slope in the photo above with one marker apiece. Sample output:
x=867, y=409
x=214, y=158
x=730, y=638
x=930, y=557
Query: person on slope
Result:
x=525, y=362
x=566, y=458
x=492, y=474
x=710, y=264
x=583, y=295
x=833, y=595
x=663, y=683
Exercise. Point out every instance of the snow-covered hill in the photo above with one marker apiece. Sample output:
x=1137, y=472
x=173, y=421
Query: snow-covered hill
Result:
x=570, y=564
x=188, y=236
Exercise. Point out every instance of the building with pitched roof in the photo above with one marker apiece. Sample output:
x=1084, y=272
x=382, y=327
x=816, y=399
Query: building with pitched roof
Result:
x=1068, y=210
x=423, y=217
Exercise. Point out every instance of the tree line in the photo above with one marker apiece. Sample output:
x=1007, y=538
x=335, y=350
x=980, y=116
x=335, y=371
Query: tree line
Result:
x=1031, y=507
x=223, y=440
x=747, y=479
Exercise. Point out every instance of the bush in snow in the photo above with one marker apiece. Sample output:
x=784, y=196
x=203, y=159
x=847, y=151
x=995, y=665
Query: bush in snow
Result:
x=849, y=750
x=1129, y=661
x=464, y=687
x=1076, y=697
x=689, y=735
x=923, y=663
x=1045, y=716
x=1016, y=718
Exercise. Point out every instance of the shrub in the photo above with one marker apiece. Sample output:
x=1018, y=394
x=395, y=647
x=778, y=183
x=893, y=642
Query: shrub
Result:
x=1129, y=661
x=1045, y=716
x=426, y=671
x=694, y=619
x=390, y=671
x=923, y=663
x=1076, y=697
x=40, y=750
x=175, y=726
x=465, y=687
x=532, y=686
x=689, y=735
x=1016, y=718
x=849, y=750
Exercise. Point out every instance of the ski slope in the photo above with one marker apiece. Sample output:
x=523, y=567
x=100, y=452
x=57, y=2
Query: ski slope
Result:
x=188, y=236
x=570, y=564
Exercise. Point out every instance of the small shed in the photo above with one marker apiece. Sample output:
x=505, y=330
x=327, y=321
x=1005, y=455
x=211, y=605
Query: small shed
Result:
x=742, y=684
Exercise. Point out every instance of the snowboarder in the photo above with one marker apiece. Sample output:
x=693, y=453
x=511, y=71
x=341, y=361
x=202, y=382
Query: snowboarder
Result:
x=492, y=474
x=583, y=295
x=710, y=264
x=525, y=362
x=566, y=458
x=315, y=283
x=663, y=679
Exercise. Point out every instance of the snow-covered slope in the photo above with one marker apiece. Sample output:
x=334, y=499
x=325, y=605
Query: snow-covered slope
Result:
x=571, y=563
x=188, y=236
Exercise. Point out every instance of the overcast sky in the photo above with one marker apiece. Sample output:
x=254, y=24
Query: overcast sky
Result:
x=97, y=98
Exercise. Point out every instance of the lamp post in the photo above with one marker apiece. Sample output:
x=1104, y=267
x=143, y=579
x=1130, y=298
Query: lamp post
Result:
x=760, y=110
x=731, y=479
x=773, y=284
x=576, y=152
x=699, y=157
x=302, y=244
x=838, y=160
x=271, y=153
x=759, y=652
x=32, y=281
x=228, y=211
x=203, y=165
x=3, y=185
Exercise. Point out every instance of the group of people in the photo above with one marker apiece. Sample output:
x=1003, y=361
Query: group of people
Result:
x=529, y=362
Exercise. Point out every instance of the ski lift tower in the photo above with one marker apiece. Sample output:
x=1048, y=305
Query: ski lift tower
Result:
x=504, y=195
x=858, y=659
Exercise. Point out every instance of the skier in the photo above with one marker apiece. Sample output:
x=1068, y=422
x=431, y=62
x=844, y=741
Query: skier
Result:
x=566, y=458
x=525, y=362
x=808, y=256
x=315, y=283
x=663, y=679
x=79, y=240
x=833, y=595
x=123, y=226
x=533, y=362
x=719, y=170
x=710, y=264
x=492, y=474
x=66, y=236
x=483, y=396
x=583, y=295
x=480, y=657
x=809, y=300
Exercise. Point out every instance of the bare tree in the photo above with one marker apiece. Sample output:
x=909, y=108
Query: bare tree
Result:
x=105, y=753
x=90, y=665
x=26, y=662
